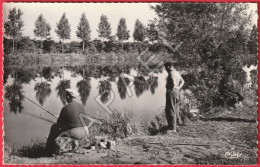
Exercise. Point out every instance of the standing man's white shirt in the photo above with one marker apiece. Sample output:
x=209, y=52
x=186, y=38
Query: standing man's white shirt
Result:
x=178, y=81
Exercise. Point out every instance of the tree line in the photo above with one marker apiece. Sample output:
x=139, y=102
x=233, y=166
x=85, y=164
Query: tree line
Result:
x=211, y=41
x=14, y=24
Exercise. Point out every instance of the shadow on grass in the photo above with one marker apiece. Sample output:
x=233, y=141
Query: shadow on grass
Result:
x=36, y=150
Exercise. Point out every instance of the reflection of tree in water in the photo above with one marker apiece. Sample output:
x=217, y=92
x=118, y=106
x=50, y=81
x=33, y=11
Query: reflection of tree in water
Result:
x=153, y=81
x=121, y=86
x=104, y=89
x=112, y=78
x=47, y=73
x=7, y=72
x=61, y=88
x=25, y=75
x=14, y=94
x=84, y=90
x=43, y=90
x=140, y=88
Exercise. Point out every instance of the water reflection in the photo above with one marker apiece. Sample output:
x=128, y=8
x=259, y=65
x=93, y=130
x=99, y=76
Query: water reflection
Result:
x=122, y=83
x=140, y=85
x=61, y=90
x=84, y=88
x=153, y=82
x=24, y=76
x=104, y=89
x=104, y=74
x=14, y=94
x=43, y=90
x=47, y=73
x=45, y=85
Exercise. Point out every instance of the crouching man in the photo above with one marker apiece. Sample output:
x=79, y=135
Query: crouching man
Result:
x=68, y=123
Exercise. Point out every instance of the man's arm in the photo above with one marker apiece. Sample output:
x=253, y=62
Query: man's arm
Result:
x=181, y=83
x=61, y=120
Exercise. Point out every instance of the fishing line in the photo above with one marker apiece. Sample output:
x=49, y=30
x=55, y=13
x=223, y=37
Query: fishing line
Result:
x=38, y=117
x=50, y=112
x=40, y=107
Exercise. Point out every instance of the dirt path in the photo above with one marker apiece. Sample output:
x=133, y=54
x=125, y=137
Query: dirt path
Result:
x=197, y=143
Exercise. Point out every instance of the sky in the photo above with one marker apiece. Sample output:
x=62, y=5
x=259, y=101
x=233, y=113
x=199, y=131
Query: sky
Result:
x=52, y=12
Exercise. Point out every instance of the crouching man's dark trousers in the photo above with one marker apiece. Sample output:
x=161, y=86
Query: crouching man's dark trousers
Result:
x=172, y=111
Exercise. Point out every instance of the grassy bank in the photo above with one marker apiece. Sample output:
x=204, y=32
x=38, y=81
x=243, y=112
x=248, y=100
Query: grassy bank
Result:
x=73, y=59
x=34, y=150
x=199, y=142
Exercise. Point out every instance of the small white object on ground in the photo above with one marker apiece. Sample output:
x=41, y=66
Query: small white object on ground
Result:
x=111, y=145
x=103, y=144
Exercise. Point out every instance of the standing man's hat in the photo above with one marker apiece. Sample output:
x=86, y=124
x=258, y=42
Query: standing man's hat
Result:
x=72, y=92
x=168, y=64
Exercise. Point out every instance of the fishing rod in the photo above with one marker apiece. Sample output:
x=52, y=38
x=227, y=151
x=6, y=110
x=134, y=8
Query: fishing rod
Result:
x=38, y=117
x=51, y=113
x=40, y=107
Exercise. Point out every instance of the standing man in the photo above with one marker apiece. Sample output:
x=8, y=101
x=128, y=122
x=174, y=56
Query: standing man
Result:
x=173, y=85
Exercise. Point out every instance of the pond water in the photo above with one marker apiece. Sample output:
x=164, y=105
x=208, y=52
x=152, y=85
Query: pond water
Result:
x=24, y=121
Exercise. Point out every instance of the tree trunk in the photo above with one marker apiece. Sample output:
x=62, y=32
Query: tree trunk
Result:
x=41, y=45
x=83, y=73
x=83, y=47
x=13, y=44
x=62, y=46
x=102, y=44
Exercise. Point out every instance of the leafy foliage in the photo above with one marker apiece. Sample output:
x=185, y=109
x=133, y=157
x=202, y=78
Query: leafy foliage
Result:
x=214, y=48
x=152, y=32
x=104, y=29
x=139, y=31
x=83, y=30
x=13, y=26
x=122, y=32
x=117, y=125
x=42, y=28
x=63, y=29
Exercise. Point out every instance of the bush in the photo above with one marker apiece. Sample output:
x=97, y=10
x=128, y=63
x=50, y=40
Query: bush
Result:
x=117, y=125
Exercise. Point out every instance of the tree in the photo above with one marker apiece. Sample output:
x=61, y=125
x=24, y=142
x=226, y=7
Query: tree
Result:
x=139, y=31
x=252, y=43
x=152, y=32
x=13, y=27
x=42, y=29
x=63, y=29
x=122, y=32
x=83, y=30
x=213, y=37
x=104, y=29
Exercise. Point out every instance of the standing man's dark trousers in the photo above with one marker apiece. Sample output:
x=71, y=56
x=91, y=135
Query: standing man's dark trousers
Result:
x=172, y=111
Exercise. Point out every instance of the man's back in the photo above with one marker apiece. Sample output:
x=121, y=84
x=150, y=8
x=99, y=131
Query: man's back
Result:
x=174, y=80
x=69, y=116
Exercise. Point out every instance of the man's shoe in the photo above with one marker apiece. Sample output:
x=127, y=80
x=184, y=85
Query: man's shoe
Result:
x=171, y=131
